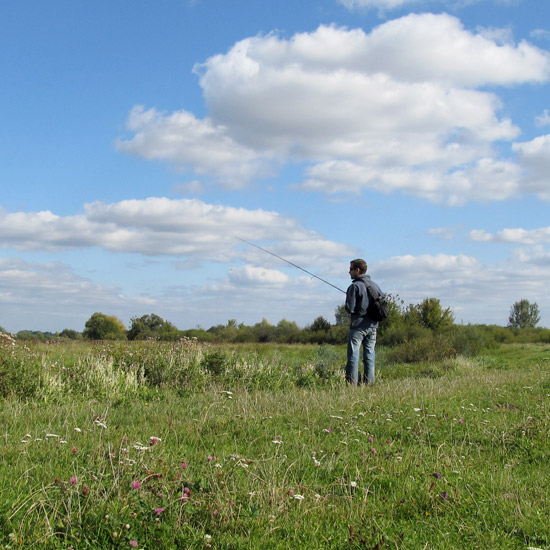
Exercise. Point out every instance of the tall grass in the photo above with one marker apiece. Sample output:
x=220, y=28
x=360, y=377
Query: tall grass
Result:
x=157, y=446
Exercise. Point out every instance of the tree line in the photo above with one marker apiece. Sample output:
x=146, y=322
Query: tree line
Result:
x=425, y=321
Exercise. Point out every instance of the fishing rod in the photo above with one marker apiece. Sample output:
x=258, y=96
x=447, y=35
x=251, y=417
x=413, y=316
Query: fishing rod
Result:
x=292, y=264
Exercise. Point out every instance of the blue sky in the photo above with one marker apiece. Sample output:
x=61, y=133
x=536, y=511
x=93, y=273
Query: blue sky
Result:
x=138, y=139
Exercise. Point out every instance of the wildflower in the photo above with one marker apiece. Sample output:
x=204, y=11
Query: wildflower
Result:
x=154, y=440
x=328, y=430
x=460, y=420
x=353, y=484
x=136, y=485
x=134, y=543
x=291, y=492
x=85, y=490
x=373, y=451
x=184, y=465
x=159, y=511
x=371, y=439
x=72, y=481
x=184, y=498
x=388, y=441
x=74, y=450
x=437, y=475
x=210, y=458
x=316, y=462
x=214, y=513
x=444, y=495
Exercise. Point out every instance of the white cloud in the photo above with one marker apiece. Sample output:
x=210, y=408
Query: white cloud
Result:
x=534, y=159
x=543, y=119
x=187, y=228
x=381, y=5
x=201, y=145
x=476, y=292
x=394, y=109
x=515, y=235
x=540, y=34
x=247, y=275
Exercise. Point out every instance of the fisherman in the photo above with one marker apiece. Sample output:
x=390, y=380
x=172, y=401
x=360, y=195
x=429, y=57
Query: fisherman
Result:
x=362, y=328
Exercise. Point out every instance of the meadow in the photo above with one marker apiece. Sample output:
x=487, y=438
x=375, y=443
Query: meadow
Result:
x=189, y=445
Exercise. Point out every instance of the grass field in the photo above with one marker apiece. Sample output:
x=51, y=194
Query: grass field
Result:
x=187, y=446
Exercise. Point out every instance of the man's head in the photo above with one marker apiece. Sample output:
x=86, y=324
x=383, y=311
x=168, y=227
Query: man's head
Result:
x=357, y=267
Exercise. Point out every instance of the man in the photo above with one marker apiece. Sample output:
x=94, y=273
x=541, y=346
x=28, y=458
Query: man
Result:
x=362, y=328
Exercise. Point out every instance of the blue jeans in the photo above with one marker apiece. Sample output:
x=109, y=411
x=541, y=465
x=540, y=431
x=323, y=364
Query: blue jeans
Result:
x=368, y=339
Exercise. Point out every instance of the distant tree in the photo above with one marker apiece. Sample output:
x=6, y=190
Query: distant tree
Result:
x=523, y=314
x=341, y=316
x=70, y=334
x=433, y=316
x=104, y=327
x=151, y=326
x=319, y=324
x=287, y=331
x=264, y=331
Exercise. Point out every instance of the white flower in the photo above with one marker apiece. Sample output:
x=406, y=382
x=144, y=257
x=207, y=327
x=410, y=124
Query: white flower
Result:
x=353, y=484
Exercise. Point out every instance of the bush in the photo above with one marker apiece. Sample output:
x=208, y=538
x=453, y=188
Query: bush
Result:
x=215, y=363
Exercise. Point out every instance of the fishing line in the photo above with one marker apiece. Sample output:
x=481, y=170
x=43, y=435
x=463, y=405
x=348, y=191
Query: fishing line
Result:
x=292, y=264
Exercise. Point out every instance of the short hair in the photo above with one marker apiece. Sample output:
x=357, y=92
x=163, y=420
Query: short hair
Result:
x=359, y=264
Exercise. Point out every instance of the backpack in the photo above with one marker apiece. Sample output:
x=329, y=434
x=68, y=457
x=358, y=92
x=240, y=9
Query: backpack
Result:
x=378, y=304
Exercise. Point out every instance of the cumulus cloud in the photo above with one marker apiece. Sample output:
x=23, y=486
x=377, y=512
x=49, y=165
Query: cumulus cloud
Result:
x=543, y=119
x=467, y=285
x=180, y=138
x=381, y=5
x=248, y=274
x=514, y=235
x=397, y=109
x=534, y=159
x=187, y=228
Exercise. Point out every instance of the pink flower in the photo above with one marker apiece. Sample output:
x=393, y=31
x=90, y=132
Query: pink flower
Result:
x=371, y=439
x=184, y=465
x=373, y=451
x=74, y=450
x=154, y=440
x=158, y=511
x=388, y=441
x=136, y=485
x=460, y=420
x=210, y=458
x=134, y=543
x=72, y=481
x=184, y=498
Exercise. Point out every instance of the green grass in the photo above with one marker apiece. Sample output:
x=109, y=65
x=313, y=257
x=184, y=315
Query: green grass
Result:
x=434, y=456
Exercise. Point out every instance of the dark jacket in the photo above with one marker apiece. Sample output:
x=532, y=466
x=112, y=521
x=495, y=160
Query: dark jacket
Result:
x=357, y=302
